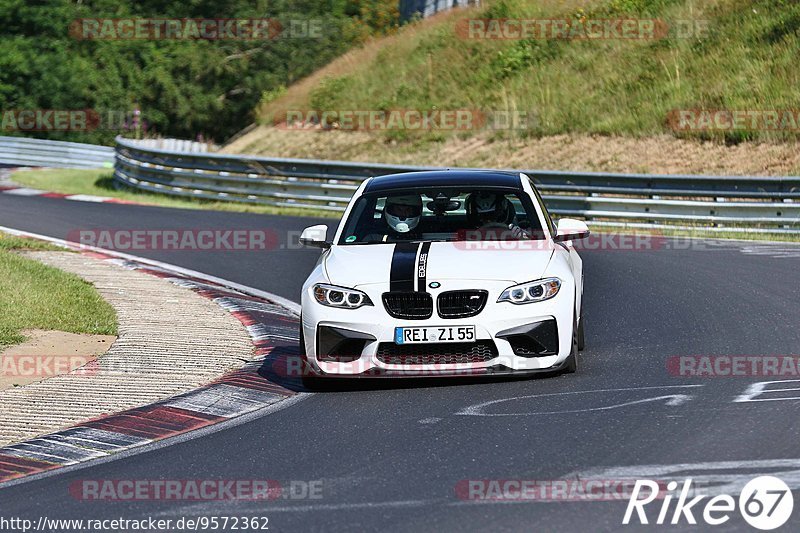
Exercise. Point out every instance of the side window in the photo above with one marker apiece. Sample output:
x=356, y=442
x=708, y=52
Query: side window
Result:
x=547, y=217
x=518, y=208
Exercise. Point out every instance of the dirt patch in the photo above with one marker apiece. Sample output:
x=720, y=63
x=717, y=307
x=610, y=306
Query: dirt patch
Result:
x=651, y=155
x=49, y=353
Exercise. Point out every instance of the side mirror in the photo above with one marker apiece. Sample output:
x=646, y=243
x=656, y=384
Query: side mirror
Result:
x=570, y=229
x=314, y=236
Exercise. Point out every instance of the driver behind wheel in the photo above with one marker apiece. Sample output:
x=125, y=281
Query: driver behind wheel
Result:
x=487, y=211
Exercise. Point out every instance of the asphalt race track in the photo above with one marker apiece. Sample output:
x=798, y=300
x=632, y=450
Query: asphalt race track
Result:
x=390, y=457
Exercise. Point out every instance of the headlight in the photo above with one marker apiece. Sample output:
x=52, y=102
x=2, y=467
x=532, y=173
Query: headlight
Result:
x=334, y=296
x=533, y=291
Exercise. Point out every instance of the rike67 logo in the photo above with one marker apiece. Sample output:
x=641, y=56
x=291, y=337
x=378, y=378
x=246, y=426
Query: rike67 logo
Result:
x=765, y=503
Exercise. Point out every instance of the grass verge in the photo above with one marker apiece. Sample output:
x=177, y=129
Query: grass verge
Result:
x=717, y=54
x=36, y=296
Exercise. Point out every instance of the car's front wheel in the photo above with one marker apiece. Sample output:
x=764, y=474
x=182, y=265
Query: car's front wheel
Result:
x=302, y=341
x=307, y=376
x=571, y=364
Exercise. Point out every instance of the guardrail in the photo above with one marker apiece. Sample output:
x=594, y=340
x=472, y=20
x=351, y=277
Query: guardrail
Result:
x=27, y=152
x=758, y=204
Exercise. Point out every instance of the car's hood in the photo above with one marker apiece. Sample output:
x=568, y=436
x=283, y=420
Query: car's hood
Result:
x=354, y=265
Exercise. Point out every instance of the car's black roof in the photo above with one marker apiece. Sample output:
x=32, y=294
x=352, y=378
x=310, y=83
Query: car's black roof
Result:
x=445, y=179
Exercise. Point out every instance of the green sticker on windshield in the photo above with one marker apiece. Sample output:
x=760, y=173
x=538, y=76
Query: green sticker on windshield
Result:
x=351, y=238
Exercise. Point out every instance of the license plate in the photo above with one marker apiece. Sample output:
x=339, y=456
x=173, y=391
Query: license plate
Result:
x=434, y=334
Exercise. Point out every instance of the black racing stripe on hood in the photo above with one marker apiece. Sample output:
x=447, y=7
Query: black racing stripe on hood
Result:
x=403, y=271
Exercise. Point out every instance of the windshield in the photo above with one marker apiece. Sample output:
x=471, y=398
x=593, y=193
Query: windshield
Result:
x=441, y=215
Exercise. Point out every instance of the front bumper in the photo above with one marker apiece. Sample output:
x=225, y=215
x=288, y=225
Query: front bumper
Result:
x=366, y=334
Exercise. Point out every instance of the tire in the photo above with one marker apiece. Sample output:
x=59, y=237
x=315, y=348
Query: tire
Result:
x=581, y=335
x=571, y=364
x=309, y=380
x=311, y=383
x=302, y=341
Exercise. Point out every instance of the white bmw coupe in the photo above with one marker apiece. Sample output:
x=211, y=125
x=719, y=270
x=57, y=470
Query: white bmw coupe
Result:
x=444, y=273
